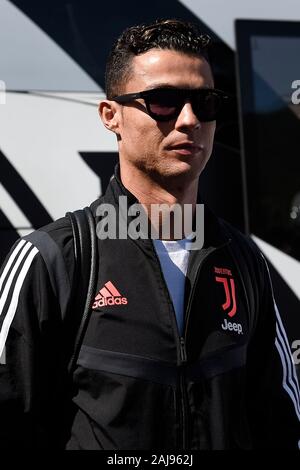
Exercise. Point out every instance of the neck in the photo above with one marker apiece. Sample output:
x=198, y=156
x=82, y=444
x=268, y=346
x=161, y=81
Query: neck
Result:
x=168, y=202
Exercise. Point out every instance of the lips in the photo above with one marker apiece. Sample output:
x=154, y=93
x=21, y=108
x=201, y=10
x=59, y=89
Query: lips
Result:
x=190, y=147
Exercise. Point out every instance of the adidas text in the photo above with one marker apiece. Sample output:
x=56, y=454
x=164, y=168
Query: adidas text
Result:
x=110, y=301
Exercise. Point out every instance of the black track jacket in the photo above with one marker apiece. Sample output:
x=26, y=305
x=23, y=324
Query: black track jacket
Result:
x=228, y=383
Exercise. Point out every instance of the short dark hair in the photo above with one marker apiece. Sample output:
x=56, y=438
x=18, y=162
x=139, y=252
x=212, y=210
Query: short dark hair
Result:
x=170, y=34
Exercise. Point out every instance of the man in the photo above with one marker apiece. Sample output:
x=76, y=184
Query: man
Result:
x=180, y=350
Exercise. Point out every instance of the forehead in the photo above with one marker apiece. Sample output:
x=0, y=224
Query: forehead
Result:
x=165, y=67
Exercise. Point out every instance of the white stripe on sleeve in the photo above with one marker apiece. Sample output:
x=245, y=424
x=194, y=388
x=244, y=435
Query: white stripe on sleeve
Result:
x=11, y=277
x=290, y=380
x=15, y=298
x=11, y=260
x=3, y=356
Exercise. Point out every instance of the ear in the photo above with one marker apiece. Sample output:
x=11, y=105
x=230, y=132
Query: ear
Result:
x=109, y=114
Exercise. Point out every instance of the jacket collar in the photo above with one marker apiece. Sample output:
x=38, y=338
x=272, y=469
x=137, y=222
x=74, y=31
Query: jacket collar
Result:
x=214, y=233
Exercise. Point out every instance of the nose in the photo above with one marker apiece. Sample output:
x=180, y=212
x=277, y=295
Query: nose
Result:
x=187, y=118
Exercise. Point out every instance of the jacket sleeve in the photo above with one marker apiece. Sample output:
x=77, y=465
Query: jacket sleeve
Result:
x=30, y=320
x=273, y=390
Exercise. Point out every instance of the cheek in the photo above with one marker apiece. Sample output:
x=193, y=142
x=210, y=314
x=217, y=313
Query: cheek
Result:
x=137, y=134
x=133, y=125
x=209, y=133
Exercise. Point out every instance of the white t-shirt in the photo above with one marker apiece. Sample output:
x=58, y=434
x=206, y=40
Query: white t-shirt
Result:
x=174, y=259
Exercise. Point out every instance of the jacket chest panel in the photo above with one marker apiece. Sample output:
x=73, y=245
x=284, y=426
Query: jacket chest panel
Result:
x=219, y=317
x=131, y=312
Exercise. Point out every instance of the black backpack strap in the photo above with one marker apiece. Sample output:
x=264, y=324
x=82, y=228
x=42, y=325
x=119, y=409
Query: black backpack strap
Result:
x=84, y=285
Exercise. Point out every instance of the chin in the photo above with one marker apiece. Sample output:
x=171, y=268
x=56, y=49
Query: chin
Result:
x=186, y=168
x=177, y=174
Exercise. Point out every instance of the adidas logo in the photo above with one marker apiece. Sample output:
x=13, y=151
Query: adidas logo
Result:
x=109, y=295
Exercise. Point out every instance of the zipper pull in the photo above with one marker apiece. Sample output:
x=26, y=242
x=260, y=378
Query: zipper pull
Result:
x=183, y=350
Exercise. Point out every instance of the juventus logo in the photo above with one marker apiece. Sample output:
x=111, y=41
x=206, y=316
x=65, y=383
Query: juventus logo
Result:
x=229, y=288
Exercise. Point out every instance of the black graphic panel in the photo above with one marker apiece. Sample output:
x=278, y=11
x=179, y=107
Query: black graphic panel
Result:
x=87, y=29
x=268, y=54
x=102, y=163
x=8, y=236
x=21, y=193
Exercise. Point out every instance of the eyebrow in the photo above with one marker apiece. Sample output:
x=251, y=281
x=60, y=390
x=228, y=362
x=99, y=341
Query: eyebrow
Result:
x=160, y=85
x=168, y=85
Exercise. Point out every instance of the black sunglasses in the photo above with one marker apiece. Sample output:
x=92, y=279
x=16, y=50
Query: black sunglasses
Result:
x=165, y=104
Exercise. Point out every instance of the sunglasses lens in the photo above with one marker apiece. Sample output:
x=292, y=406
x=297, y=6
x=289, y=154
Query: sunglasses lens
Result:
x=161, y=109
x=163, y=104
x=206, y=105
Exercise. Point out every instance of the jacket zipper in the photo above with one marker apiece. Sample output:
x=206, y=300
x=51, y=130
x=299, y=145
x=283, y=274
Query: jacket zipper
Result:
x=181, y=340
x=185, y=439
x=183, y=358
x=184, y=399
x=183, y=396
